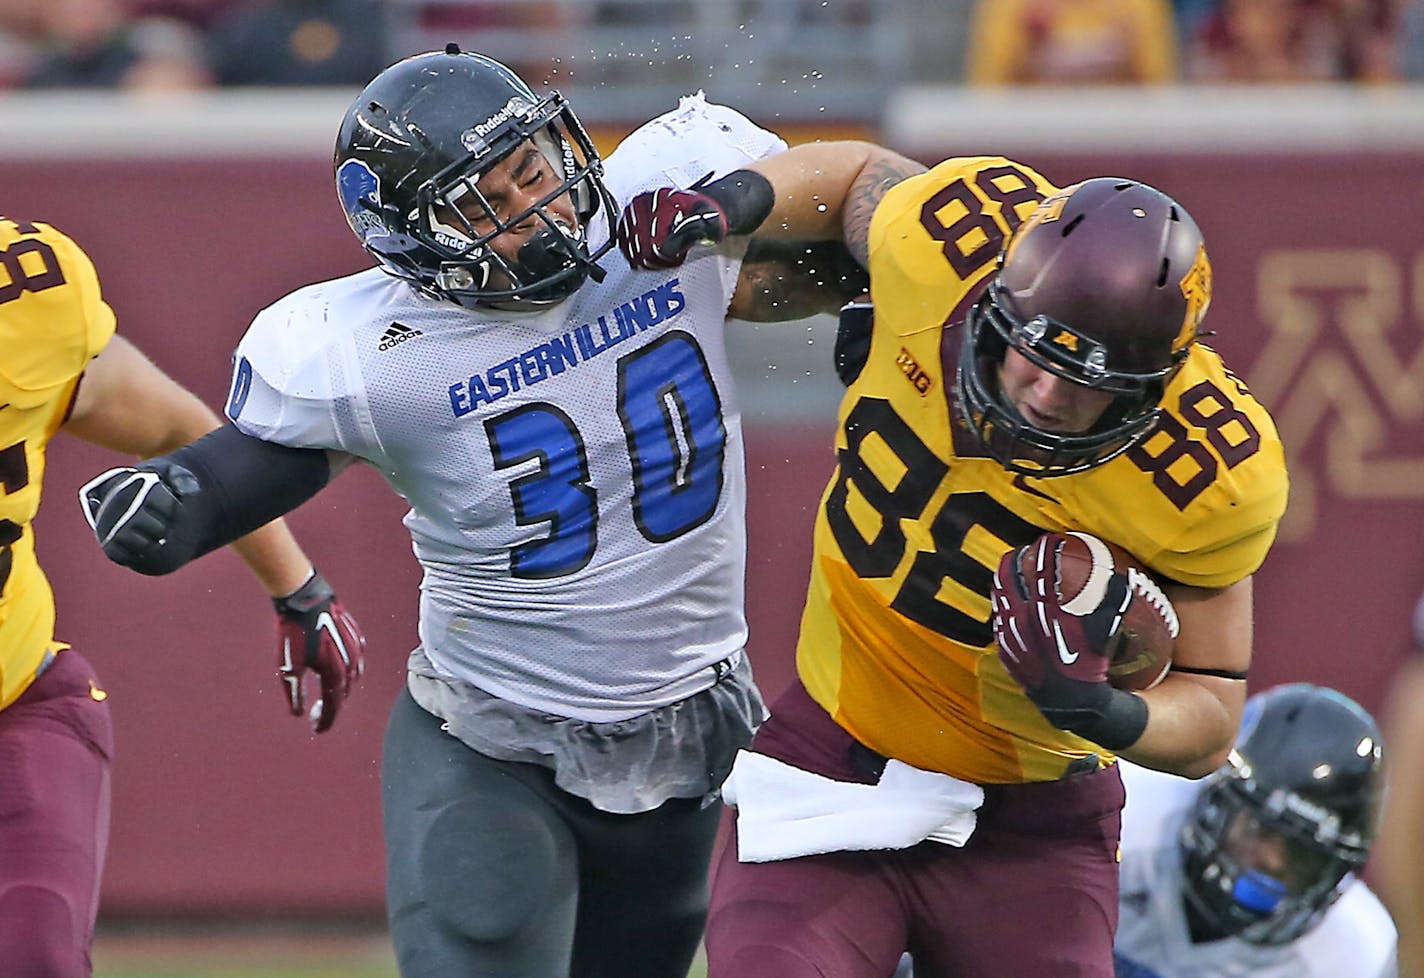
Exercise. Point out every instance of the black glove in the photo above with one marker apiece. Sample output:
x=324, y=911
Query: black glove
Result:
x=150, y=517
x=315, y=632
x=1059, y=658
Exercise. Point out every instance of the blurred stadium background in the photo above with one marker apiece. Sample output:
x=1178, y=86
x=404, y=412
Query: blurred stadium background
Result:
x=242, y=846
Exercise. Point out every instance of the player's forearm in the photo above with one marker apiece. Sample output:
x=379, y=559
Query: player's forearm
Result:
x=790, y=280
x=125, y=403
x=828, y=191
x=1190, y=725
x=169, y=510
x=275, y=558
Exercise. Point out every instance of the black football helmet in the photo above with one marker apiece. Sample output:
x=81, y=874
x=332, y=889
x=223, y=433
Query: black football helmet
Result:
x=1105, y=285
x=1307, y=769
x=418, y=139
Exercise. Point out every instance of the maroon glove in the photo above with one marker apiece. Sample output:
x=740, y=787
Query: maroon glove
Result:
x=315, y=632
x=660, y=226
x=1059, y=658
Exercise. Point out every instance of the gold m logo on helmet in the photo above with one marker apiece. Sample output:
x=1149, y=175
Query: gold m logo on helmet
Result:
x=1051, y=209
x=1196, y=289
x=1067, y=340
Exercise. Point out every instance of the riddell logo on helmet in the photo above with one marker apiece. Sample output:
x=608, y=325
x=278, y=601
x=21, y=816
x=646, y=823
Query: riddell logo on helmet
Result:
x=516, y=106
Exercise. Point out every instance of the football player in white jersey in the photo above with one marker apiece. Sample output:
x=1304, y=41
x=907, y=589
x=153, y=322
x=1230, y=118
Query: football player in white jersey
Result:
x=567, y=436
x=1252, y=872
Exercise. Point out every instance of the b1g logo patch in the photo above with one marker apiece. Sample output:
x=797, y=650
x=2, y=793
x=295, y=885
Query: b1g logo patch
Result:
x=355, y=183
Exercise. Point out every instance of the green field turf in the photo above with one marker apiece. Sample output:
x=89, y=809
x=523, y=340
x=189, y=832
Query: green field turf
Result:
x=249, y=953
x=241, y=951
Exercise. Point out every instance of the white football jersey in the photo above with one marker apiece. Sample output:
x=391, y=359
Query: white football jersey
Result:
x=1356, y=937
x=575, y=475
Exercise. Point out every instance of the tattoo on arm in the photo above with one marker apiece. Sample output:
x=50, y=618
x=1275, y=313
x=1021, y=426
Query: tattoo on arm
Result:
x=865, y=195
x=784, y=280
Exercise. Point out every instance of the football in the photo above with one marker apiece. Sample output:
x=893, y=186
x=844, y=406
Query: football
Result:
x=1141, y=652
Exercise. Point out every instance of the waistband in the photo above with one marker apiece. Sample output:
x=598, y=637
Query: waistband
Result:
x=1029, y=806
x=802, y=733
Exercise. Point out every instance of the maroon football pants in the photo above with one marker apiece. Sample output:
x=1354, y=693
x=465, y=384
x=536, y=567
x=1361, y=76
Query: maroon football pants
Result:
x=56, y=742
x=1032, y=895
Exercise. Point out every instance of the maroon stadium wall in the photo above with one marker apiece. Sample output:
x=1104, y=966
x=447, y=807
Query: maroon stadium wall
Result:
x=224, y=804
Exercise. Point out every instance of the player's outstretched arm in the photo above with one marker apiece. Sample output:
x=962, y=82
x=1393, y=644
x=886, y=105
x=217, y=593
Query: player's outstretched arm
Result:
x=192, y=496
x=814, y=192
x=124, y=402
x=828, y=191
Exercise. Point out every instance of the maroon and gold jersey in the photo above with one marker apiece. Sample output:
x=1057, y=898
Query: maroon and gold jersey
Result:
x=53, y=321
x=895, y=638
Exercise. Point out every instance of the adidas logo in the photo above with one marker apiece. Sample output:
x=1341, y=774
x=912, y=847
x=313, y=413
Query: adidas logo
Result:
x=397, y=334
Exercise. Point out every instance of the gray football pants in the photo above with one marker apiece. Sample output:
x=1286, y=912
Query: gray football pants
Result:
x=494, y=872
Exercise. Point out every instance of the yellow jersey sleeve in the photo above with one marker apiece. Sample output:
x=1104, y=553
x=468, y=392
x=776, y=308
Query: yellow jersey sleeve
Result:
x=937, y=234
x=53, y=321
x=1199, y=501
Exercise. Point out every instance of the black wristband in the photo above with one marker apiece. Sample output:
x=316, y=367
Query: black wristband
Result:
x=745, y=196
x=306, y=597
x=1119, y=723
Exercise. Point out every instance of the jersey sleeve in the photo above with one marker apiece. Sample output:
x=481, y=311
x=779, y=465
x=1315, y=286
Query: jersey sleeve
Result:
x=697, y=139
x=680, y=147
x=56, y=318
x=296, y=380
x=934, y=236
x=1219, y=480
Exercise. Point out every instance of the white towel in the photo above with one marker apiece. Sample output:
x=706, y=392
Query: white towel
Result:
x=784, y=812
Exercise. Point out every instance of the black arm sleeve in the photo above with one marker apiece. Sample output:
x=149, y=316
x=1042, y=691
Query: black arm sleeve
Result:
x=245, y=482
x=745, y=196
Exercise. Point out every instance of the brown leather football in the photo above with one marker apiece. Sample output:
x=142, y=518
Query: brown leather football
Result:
x=1141, y=652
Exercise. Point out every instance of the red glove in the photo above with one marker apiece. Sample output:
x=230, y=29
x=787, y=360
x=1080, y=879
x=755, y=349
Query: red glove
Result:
x=1059, y=658
x=660, y=226
x=315, y=632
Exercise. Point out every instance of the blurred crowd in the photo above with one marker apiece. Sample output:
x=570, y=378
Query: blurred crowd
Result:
x=1199, y=41
x=166, y=45
x=157, y=45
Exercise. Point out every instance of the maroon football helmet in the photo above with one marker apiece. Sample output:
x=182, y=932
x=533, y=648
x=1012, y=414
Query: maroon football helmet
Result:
x=1104, y=285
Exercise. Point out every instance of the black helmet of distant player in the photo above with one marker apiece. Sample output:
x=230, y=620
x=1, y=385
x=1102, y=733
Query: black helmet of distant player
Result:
x=1105, y=285
x=409, y=157
x=1306, y=776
